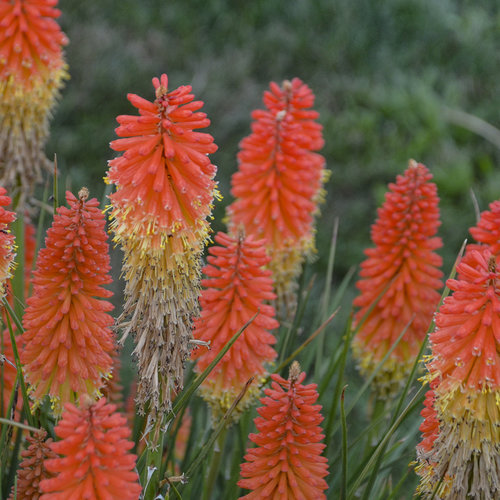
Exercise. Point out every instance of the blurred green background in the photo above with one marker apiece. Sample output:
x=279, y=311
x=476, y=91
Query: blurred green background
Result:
x=385, y=75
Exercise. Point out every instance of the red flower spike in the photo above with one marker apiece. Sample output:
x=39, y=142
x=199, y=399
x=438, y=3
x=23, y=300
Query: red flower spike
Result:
x=279, y=181
x=287, y=462
x=31, y=41
x=465, y=377
x=8, y=372
x=466, y=342
x=237, y=287
x=32, y=469
x=164, y=177
x=487, y=231
x=164, y=194
x=430, y=425
x=67, y=343
x=96, y=462
x=404, y=268
x=32, y=70
x=7, y=246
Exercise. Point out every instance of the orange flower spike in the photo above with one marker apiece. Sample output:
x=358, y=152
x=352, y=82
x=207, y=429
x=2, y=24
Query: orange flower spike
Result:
x=31, y=41
x=487, y=231
x=466, y=342
x=430, y=425
x=279, y=181
x=32, y=469
x=68, y=342
x=32, y=71
x=7, y=246
x=8, y=372
x=96, y=462
x=164, y=178
x=287, y=462
x=237, y=287
x=464, y=371
x=405, y=261
x=164, y=194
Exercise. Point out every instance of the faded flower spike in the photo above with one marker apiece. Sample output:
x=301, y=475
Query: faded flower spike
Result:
x=96, y=462
x=164, y=194
x=279, y=182
x=32, y=469
x=463, y=460
x=399, y=279
x=68, y=342
x=32, y=70
x=236, y=288
x=287, y=462
x=7, y=246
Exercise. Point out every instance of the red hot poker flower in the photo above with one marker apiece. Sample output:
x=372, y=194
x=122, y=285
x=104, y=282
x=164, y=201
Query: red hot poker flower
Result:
x=164, y=194
x=32, y=70
x=487, y=231
x=466, y=342
x=237, y=287
x=8, y=372
x=164, y=177
x=67, y=343
x=464, y=370
x=96, y=461
x=31, y=41
x=279, y=181
x=287, y=462
x=32, y=469
x=405, y=262
x=6, y=241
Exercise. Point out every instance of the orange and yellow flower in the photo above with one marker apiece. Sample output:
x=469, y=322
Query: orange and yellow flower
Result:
x=67, y=343
x=96, y=462
x=279, y=182
x=287, y=462
x=32, y=71
x=399, y=279
x=164, y=194
x=236, y=288
x=462, y=461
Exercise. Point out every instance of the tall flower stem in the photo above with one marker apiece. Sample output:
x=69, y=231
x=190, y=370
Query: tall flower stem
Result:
x=31, y=418
x=213, y=471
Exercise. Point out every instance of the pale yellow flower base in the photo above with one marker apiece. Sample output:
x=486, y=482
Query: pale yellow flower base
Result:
x=24, y=117
x=464, y=462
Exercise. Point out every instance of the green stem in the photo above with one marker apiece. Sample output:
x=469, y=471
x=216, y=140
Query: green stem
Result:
x=13, y=423
x=343, y=489
x=213, y=472
x=26, y=406
x=320, y=345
